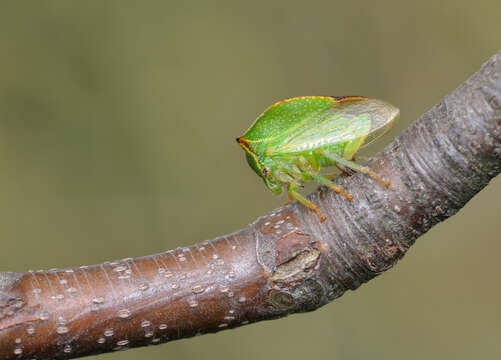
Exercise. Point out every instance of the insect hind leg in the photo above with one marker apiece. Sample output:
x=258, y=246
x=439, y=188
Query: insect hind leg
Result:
x=355, y=166
x=323, y=180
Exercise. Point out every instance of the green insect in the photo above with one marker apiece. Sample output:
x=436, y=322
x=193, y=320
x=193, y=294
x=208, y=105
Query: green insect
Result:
x=294, y=139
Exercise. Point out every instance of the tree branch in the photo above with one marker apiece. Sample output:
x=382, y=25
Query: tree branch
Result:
x=284, y=262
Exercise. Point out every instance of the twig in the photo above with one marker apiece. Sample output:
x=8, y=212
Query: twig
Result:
x=284, y=262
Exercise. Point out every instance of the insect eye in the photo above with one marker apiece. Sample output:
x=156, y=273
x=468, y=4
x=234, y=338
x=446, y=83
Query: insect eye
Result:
x=265, y=171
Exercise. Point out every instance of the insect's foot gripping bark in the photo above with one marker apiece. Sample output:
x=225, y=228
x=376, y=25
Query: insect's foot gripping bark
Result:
x=323, y=180
x=339, y=190
x=302, y=200
x=346, y=195
x=373, y=175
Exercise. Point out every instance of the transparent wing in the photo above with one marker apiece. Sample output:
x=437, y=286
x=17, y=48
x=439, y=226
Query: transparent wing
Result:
x=361, y=120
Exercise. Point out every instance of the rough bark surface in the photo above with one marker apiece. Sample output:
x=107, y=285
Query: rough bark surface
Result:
x=284, y=262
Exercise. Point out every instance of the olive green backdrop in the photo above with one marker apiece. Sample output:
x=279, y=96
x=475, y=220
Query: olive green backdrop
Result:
x=117, y=127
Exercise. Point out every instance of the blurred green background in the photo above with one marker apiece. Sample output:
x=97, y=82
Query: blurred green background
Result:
x=117, y=127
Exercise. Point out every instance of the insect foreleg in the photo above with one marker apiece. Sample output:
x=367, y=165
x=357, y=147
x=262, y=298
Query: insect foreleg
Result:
x=292, y=192
x=323, y=180
x=355, y=166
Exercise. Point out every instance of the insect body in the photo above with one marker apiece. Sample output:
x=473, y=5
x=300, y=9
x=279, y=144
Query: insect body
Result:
x=295, y=138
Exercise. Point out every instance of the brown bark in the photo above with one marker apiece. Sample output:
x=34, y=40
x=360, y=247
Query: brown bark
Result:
x=284, y=262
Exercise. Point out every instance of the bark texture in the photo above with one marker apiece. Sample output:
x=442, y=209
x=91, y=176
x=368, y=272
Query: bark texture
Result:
x=284, y=262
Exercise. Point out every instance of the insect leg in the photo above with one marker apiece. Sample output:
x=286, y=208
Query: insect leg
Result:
x=292, y=192
x=357, y=167
x=291, y=198
x=305, y=167
x=323, y=180
x=360, y=157
x=343, y=170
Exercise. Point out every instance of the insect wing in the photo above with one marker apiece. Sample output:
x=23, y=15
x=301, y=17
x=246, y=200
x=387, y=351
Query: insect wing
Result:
x=285, y=117
x=334, y=130
x=362, y=120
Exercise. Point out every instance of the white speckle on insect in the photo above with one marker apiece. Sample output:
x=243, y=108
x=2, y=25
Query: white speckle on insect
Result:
x=144, y=286
x=222, y=325
x=396, y=208
x=101, y=340
x=162, y=326
x=145, y=323
x=67, y=349
x=30, y=329
x=43, y=316
x=148, y=334
x=122, y=342
x=108, y=332
x=224, y=289
x=193, y=303
x=242, y=299
x=18, y=351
